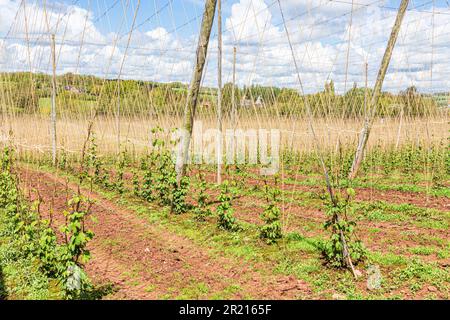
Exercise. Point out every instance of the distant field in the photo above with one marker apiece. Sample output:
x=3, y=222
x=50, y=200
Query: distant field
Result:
x=295, y=134
x=76, y=106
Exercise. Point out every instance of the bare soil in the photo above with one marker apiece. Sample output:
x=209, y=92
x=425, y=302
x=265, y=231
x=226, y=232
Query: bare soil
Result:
x=145, y=261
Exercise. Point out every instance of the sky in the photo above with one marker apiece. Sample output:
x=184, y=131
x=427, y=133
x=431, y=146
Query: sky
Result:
x=332, y=40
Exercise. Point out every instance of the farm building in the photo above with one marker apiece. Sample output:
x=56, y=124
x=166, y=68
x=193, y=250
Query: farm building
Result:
x=248, y=103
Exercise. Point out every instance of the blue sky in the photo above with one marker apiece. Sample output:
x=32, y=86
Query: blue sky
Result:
x=166, y=13
x=152, y=14
x=171, y=14
x=162, y=47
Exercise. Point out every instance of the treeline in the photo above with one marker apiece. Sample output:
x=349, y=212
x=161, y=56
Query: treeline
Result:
x=25, y=92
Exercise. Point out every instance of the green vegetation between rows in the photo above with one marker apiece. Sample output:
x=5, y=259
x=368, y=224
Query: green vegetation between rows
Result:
x=294, y=254
x=34, y=264
x=152, y=192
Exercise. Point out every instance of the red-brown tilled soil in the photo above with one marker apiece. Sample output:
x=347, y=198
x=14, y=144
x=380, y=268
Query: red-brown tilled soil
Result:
x=145, y=261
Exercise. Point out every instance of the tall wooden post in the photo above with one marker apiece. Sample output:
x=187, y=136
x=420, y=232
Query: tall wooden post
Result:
x=53, y=108
x=219, y=92
x=368, y=122
x=191, y=103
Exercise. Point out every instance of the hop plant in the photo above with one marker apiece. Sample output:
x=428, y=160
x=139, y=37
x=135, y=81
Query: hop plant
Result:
x=63, y=261
x=136, y=184
x=147, y=192
x=165, y=179
x=62, y=163
x=95, y=163
x=201, y=210
x=74, y=254
x=179, y=192
x=226, y=220
x=342, y=231
x=271, y=230
x=121, y=163
x=7, y=159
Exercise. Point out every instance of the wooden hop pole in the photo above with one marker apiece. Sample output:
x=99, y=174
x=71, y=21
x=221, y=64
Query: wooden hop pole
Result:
x=368, y=122
x=194, y=88
x=53, y=108
x=219, y=92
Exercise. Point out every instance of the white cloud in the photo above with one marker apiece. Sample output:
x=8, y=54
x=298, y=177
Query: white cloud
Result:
x=319, y=32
